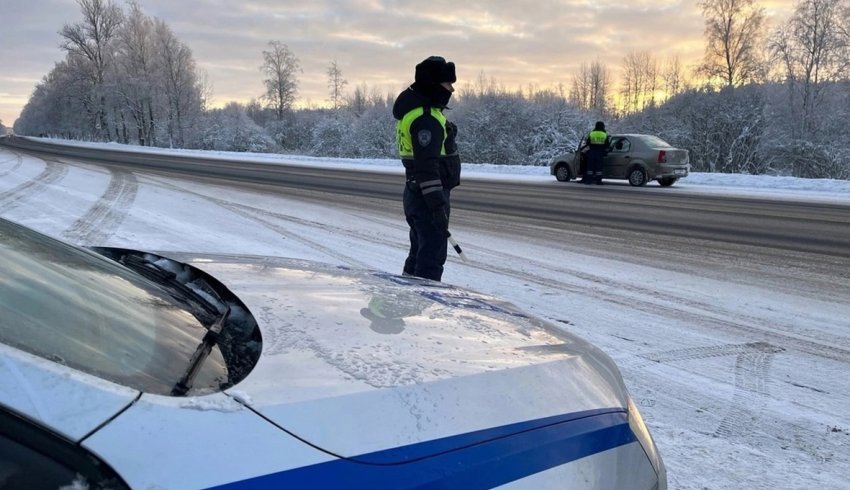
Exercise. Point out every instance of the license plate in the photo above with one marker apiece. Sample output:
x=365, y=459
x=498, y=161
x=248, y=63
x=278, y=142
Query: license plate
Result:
x=679, y=171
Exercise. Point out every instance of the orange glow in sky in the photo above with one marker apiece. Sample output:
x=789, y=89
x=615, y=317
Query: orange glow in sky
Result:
x=517, y=43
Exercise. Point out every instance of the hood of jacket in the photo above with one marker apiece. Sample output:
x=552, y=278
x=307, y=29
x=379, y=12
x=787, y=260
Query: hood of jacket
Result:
x=406, y=101
x=418, y=95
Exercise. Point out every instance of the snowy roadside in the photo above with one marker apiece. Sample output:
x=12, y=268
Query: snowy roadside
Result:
x=764, y=186
x=736, y=358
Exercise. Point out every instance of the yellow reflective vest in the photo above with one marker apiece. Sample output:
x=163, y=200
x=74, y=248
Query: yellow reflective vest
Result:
x=404, y=139
x=597, y=137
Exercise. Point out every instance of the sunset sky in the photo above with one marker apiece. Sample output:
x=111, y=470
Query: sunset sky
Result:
x=376, y=42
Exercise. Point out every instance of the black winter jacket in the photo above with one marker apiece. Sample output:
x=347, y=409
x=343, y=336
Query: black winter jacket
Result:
x=427, y=164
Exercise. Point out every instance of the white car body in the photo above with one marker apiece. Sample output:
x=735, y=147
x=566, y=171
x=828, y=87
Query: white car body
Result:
x=456, y=390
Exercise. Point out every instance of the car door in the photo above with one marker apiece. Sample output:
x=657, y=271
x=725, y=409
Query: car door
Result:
x=33, y=457
x=618, y=158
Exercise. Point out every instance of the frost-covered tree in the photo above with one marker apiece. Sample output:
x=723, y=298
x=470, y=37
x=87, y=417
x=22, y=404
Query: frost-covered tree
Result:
x=813, y=49
x=559, y=128
x=374, y=132
x=178, y=77
x=723, y=129
x=133, y=84
x=55, y=107
x=280, y=66
x=230, y=129
x=332, y=137
x=499, y=126
x=125, y=78
x=93, y=42
x=492, y=126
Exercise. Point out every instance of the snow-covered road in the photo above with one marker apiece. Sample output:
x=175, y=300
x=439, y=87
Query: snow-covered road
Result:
x=737, y=357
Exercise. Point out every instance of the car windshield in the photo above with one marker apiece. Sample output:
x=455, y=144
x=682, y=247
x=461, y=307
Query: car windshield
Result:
x=655, y=142
x=76, y=308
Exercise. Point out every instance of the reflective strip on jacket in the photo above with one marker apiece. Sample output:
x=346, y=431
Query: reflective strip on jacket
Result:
x=404, y=139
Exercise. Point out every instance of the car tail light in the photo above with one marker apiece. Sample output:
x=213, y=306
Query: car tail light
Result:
x=662, y=156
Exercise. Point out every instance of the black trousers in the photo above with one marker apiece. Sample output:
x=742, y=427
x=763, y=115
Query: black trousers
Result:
x=428, y=244
x=594, y=164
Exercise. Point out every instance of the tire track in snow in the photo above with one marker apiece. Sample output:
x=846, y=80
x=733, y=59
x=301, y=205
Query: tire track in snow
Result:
x=751, y=380
x=19, y=160
x=706, y=352
x=264, y=218
x=667, y=305
x=614, y=292
x=752, y=369
x=107, y=214
x=12, y=198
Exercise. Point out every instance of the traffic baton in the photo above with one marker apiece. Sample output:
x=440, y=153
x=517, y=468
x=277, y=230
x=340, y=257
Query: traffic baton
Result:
x=457, y=248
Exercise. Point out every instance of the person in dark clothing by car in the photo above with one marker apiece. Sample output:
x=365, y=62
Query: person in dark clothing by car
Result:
x=427, y=147
x=598, y=142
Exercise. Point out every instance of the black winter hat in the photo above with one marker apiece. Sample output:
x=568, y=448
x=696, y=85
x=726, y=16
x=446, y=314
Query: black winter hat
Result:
x=600, y=126
x=436, y=70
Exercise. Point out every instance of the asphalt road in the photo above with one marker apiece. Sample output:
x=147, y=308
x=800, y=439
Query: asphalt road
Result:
x=805, y=227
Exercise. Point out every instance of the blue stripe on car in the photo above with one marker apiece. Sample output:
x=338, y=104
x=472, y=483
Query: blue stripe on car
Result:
x=508, y=453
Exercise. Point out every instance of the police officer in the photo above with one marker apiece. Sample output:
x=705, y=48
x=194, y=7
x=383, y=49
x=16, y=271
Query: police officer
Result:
x=426, y=144
x=598, y=142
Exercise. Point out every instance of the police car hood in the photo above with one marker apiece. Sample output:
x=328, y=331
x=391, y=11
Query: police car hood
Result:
x=358, y=363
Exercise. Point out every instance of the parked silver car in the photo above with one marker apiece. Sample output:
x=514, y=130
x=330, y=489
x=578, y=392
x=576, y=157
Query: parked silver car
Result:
x=638, y=158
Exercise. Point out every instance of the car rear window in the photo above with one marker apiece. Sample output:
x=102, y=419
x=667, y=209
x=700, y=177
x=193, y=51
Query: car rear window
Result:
x=74, y=307
x=656, y=142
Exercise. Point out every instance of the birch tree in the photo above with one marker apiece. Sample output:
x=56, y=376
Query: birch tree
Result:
x=813, y=48
x=176, y=69
x=672, y=77
x=336, y=84
x=590, y=89
x=136, y=88
x=639, y=82
x=734, y=32
x=280, y=67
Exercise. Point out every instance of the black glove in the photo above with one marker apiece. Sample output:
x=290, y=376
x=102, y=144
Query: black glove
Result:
x=450, y=144
x=441, y=220
x=451, y=130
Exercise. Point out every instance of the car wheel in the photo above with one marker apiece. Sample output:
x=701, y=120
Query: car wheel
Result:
x=562, y=173
x=667, y=181
x=637, y=177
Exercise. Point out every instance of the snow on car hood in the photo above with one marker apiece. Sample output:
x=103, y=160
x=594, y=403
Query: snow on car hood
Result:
x=356, y=362
x=67, y=401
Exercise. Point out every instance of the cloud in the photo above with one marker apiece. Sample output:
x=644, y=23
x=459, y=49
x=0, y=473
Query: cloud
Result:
x=378, y=42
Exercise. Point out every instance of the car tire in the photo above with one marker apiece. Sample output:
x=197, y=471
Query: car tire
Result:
x=667, y=181
x=562, y=173
x=637, y=177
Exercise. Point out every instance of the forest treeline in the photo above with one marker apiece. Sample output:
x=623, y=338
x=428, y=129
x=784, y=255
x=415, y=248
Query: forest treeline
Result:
x=763, y=100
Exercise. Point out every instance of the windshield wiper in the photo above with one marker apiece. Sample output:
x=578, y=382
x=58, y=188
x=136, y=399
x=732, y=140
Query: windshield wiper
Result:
x=165, y=277
x=201, y=353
